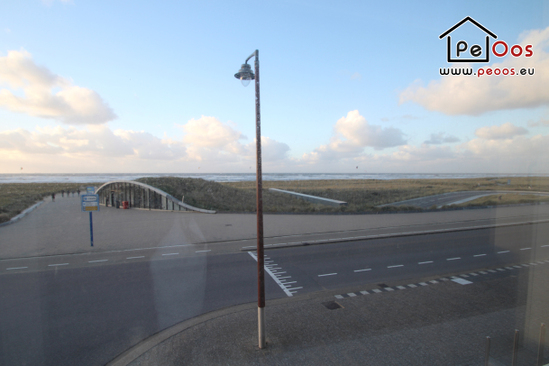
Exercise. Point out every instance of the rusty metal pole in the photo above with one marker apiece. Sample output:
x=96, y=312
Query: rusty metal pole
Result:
x=259, y=209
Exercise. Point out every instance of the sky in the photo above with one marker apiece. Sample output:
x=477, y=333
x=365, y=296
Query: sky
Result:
x=345, y=87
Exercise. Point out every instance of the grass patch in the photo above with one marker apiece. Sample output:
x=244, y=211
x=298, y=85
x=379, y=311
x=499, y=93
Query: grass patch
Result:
x=365, y=194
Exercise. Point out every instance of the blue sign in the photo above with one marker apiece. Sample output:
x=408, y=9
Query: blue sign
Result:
x=89, y=202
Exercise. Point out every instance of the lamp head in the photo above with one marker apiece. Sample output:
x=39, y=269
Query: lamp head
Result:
x=245, y=74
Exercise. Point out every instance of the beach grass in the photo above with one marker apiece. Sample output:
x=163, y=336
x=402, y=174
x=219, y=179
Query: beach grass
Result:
x=361, y=195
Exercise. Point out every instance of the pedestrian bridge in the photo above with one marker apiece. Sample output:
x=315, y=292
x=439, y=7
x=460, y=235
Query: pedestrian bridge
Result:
x=140, y=195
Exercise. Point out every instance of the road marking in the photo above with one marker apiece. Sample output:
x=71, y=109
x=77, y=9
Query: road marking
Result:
x=426, y=262
x=98, y=261
x=327, y=274
x=503, y=251
x=288, y=283
x=412, y=285
x=364, y=292
x=170, y=253
x=376, y=290
x=461, y=281
x=274, y=276
x=362, y=270
x=295, y=288
x=388, y=289
x=14, y=268
x=203, y=251
x=141, y=256
x=396, y=266
x=401, y=287
x=453, y=259
x=480, y=255
x=526, y=248
x=57, y=264
x=351, y=294
x=544, y=246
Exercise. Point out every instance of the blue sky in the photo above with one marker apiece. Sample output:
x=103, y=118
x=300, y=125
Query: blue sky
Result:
x=135, y=86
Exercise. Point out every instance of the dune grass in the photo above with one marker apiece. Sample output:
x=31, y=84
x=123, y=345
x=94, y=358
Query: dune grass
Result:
x=361, y=195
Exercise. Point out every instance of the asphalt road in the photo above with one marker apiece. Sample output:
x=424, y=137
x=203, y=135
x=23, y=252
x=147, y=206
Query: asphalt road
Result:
x=65, y=314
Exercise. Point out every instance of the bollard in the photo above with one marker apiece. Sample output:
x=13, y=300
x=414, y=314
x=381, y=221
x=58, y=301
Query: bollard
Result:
x=487, y=350
x=515, y=350
x=541, y=345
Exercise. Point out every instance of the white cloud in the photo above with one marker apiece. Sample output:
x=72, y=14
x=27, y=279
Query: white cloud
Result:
x=46, y=94
x=441, y=138
x=471, y=95
x=504, y=131
x=352, y=134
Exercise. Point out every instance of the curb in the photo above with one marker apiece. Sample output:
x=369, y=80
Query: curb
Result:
x=22, y=214
x=385, y=236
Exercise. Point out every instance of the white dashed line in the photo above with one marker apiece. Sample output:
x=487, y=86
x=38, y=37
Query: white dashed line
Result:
x=203, y=251
x=453, y=259
x=426, y=262
x=58, y=264
x=396, y=266
x=15, y=268
x=526, y=248
x=503, y=251
x=141, y=256
x=480, y=255
x=544, y=246
x=362, y=270
x=98, y=261
x=327, y=274
x=170, y=253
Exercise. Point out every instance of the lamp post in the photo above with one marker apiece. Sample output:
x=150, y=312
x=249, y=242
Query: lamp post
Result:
x=245, y=74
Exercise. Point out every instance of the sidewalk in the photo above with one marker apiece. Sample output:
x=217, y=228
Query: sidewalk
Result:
x=58, y=228
x=439, y=323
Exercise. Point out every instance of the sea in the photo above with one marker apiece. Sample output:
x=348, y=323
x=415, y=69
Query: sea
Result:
x=238, y=177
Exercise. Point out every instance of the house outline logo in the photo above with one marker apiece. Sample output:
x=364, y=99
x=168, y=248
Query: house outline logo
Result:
x=475, y=50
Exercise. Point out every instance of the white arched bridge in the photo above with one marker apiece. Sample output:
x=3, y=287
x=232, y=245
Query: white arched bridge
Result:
x=140, y=195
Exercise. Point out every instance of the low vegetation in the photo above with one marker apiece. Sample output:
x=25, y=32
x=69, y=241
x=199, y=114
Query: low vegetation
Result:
x=360, y=194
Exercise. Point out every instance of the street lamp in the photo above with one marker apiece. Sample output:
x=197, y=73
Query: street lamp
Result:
x=245, y=74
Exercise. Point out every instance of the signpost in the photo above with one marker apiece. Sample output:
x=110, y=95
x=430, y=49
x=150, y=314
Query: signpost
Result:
x=90, y=203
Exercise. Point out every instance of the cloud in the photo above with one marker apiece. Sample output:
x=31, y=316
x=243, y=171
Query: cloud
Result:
x=272, y=150
x=48, y=95
x=94, y=141
x=540, y=122
x=505, y=131
x=471, y=95
x=355, y=76
x=441, y=138
x=352, y=134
